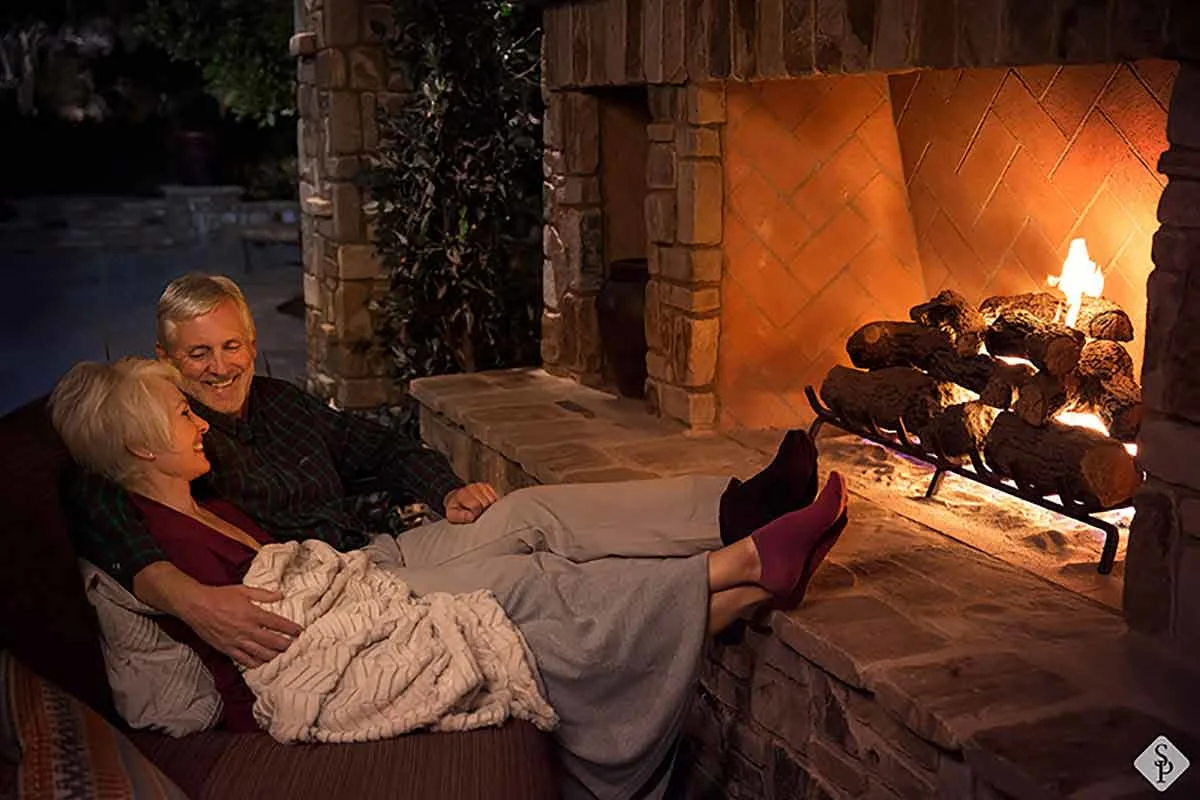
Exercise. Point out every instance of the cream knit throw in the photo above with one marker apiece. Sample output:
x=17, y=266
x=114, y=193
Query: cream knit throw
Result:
x=374, y=661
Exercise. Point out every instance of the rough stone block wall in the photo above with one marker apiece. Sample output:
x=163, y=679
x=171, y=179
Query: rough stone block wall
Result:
x=344, y=80
x=684, y=225
x=1162, y=569
x=573, y=237
x=606, y=42
x=769, y=723
x=683, y=220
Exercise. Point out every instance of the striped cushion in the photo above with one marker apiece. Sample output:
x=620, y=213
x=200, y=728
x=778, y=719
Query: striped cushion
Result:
x=64, y=750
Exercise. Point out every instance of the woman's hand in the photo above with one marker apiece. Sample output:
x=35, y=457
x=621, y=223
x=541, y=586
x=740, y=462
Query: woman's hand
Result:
x=467, y=503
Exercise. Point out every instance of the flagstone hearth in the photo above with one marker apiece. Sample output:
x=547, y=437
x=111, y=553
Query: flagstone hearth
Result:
x=919, y=666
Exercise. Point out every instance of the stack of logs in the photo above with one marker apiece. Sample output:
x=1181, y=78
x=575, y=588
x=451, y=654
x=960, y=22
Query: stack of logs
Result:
x=943, y=377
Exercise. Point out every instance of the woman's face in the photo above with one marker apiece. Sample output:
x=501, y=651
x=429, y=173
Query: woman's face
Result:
x=184, y=457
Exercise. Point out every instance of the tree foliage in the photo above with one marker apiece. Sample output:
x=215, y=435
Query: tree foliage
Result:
x=240, y=46
x=457, y=190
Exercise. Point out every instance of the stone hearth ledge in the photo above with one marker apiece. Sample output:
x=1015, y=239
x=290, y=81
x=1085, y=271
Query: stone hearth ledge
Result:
x=917, y=666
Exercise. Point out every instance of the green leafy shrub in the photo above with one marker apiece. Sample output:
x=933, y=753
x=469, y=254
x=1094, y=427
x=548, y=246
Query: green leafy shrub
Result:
x=456, y=190
x=240, y=46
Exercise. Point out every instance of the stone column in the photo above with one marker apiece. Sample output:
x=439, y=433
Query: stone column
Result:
x=1162, y=570
x=684, y=223
x=343, y=76
x=573, y=237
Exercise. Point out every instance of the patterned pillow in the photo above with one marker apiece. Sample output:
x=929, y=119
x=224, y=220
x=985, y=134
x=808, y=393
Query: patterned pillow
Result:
x=63, y=750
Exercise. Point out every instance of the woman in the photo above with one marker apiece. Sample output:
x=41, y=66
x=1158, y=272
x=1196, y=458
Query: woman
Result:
x=616, y=641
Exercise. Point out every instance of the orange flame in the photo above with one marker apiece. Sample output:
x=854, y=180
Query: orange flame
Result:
x=1079, y=276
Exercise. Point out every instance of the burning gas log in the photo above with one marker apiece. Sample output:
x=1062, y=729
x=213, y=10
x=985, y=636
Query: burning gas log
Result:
x=1099, y=318
x=1102, y=385
x=1043, y=396
x=994, y=381
x=1049, y=346
x=895, y=344
x=1085, y=463
x=1117, y=401
x=949, y=311
x=1104, y=360
x=1042, y=305
x=1106, y=387
x=887, y=395
x=959, y=431
x=877, y=345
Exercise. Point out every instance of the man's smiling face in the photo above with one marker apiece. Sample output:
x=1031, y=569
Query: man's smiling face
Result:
x=215, y=353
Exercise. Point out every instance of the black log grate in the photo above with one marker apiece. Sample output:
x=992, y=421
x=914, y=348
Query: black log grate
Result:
x=896, y=437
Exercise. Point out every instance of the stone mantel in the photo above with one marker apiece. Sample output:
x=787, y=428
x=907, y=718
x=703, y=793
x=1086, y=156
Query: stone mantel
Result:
x=594, y=43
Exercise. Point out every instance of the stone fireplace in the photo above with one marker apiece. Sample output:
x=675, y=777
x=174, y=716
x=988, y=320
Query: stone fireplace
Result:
x=809, y=167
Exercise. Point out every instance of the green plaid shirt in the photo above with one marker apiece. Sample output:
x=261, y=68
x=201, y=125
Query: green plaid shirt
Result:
x=290, y=464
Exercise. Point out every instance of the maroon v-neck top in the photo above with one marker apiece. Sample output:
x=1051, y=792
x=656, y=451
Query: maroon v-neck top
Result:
x=216, y=560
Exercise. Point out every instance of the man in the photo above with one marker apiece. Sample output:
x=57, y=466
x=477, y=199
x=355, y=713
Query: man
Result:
x=291, y=462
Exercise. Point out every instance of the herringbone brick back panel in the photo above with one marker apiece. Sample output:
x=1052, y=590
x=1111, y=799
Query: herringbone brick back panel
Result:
x=818, y=238
x=1005, y=167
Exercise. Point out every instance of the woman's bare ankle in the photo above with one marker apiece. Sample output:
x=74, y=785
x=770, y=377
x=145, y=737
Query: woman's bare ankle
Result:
x=751, y=562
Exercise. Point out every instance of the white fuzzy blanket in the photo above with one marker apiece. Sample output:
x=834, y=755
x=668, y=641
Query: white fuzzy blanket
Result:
x=374, y=661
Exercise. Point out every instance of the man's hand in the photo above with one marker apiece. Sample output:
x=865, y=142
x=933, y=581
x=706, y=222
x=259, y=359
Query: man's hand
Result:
x=224, y=616
x=466, y=504
x=227, y=618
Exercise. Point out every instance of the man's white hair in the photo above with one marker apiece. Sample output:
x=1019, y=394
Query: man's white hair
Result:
x=195, y=295
x=103, y=411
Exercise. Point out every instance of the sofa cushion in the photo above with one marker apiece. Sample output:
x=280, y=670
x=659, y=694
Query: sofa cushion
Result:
x=45, y=619
x=513, y=761
x=63, y=749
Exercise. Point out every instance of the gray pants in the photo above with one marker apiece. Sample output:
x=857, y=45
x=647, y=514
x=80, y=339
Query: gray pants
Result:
x=609, y=585
x=665, y=518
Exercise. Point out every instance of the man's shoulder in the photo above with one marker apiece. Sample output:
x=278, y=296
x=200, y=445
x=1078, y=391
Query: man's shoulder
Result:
x=275, y=391
x=265, y=386
x=274, y=396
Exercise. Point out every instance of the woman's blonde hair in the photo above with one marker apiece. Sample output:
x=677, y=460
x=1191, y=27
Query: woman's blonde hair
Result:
x=103, y=411
x=195, y=295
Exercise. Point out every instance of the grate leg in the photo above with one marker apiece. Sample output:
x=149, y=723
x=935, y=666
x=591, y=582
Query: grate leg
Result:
x=1112, y=537
x=935, y=485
